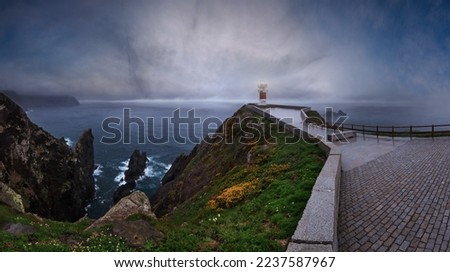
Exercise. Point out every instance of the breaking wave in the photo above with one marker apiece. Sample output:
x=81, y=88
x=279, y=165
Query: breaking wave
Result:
x=98, y=171
x=154, y=169
x=69, y=142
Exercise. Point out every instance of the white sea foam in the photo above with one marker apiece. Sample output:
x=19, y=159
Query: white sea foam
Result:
x=98, y=171
x=123, y=166
x=69, y=142
x=154, y=169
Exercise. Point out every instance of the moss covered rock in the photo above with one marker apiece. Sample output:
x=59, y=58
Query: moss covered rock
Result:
x=11, y=198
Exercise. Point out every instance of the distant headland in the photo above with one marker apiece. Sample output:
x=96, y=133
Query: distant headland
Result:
x=38, y=101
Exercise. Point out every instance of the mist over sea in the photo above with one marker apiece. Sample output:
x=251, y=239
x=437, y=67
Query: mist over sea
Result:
x=112, y=159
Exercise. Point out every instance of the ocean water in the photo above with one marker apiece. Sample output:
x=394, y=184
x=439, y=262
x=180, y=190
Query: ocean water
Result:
x=112, y=159
x=389, y=114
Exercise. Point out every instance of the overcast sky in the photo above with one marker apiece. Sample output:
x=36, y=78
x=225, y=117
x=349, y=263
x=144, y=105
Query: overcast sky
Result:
x=315, y=50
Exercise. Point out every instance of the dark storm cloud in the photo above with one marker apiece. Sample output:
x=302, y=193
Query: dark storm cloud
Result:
x=360, y=50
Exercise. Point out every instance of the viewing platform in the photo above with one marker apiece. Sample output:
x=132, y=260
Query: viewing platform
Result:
x=299, y=116
x=384, y=193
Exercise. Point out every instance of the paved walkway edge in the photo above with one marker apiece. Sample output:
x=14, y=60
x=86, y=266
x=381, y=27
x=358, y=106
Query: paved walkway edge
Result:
x=317, y=228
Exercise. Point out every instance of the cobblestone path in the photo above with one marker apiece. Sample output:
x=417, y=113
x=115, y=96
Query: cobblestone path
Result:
x=399, y=201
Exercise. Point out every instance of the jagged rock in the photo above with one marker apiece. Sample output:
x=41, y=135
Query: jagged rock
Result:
x=43, y=170
x=18, y=229
x=136, y=203
x=136, y=169
x=123, y=191
x=11, y=198
x=136, y=233
x=136, y=166
x=84, y=150
x=178, y=166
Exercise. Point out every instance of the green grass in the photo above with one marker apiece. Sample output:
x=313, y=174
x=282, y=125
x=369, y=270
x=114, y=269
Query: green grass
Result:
x=56, y=236
x=255, y=206
x=263, y=221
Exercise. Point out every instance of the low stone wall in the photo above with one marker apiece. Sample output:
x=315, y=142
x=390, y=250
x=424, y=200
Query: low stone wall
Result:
x=265, y=106
x=317, y=229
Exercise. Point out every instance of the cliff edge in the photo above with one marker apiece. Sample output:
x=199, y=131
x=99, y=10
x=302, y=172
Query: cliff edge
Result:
x=235, y=143
x=51, y=179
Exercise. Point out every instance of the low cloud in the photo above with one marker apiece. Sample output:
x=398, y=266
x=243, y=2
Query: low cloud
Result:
x=221, y=49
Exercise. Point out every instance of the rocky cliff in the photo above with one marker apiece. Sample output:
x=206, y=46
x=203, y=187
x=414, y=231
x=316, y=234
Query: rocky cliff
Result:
x=232, y=145
x=51, y=179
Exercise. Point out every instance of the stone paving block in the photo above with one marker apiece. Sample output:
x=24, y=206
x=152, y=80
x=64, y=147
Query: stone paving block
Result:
x=404, y=246
x=403, y=196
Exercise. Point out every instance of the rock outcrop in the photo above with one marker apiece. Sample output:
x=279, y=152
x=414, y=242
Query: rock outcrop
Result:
x=189, y=175
x=53, y=180
x=9, y=197
x=18, y=229
x=84, y=151
x=123, y=191
x=136, y=166
x=136, y=203
x=136, y=169
x=135, y=232
x=178, y=166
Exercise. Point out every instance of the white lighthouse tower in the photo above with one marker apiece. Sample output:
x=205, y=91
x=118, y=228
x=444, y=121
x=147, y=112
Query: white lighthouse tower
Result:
x=262, y=90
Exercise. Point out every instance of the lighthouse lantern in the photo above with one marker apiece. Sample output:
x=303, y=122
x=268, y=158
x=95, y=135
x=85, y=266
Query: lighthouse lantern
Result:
x=262, y=90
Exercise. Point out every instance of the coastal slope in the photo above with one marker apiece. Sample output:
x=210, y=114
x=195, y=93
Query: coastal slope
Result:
x=243, y=188
x=231, y=145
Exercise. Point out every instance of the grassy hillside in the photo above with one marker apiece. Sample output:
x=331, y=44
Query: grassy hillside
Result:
x=56, y=236
x=253, y=206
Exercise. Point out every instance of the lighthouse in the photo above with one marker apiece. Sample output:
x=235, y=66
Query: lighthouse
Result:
x=262, y=90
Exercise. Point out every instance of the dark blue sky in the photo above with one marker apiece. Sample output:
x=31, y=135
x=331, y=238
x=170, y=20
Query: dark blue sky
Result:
x=392, y=51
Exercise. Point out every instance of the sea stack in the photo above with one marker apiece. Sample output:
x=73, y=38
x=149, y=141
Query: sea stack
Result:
x=136, y=169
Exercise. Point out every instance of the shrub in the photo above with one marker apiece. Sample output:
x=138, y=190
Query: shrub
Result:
x=234, y=194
